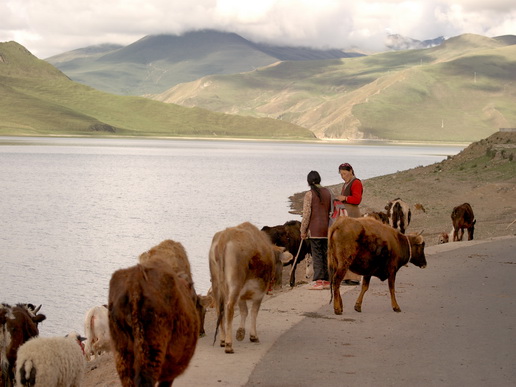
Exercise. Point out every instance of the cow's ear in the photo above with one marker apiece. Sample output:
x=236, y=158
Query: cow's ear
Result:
x=39, y=318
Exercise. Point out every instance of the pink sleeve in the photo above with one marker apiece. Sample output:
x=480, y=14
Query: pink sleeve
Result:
x=307, y=211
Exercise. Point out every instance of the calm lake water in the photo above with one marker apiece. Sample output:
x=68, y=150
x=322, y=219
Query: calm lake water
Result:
x=76, y=210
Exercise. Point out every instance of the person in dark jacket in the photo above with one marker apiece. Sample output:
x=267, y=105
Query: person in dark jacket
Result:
x=317, y=207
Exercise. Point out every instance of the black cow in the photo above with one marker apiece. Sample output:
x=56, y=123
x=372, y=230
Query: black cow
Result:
x=288, y=236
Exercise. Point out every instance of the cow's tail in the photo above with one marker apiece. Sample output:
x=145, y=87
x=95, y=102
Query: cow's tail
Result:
x=397, y=216
x=219, y=319
x=27, y=374
x=136, y=300
x=331, y=261
x=220, y=252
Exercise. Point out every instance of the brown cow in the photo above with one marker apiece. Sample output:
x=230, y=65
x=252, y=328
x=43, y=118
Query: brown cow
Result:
x=242, y=264
x=174, y=254
x=18, y=324
x=368, y=247
x=153, y=323
x=463, y=218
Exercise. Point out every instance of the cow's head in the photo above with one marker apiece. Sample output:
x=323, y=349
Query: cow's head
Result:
x=471, y=230
x=417, y=249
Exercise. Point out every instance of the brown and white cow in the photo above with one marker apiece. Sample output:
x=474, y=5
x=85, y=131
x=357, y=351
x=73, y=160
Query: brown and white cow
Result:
x=174, y=254
x=153, y=322
x=242, y=263
x=463, y=218
x=399, y=214
x=18, y=324
x=379, y=216
x=369, y=248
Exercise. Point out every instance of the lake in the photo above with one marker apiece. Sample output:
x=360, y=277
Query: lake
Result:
x=75, y=210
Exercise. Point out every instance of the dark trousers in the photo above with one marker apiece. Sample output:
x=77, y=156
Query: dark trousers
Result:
x=320, y=258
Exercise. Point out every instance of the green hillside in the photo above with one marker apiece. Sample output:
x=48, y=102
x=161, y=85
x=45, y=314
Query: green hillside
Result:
x=462, y=90
x=37, y=99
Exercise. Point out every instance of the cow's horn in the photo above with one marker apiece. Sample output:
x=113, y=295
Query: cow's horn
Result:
x=420, y=233
x=37, y=309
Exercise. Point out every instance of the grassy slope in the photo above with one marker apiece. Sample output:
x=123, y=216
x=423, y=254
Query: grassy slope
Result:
x=460, y=91
x=37, y=99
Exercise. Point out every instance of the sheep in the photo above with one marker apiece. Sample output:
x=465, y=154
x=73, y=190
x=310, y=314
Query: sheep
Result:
x=444, y=237
x=96, y=329
x=51, y=361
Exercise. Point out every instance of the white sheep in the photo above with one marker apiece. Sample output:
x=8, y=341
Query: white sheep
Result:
x=96, y=330
x=51, y=362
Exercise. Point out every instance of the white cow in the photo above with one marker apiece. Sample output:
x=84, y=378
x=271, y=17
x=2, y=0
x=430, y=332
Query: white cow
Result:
x=96, y=330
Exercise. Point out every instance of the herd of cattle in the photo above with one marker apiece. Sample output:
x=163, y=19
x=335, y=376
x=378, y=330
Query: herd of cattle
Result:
x=154, y=316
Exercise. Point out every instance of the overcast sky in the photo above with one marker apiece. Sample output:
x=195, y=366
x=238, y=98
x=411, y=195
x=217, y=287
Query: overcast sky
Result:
x=50, y=27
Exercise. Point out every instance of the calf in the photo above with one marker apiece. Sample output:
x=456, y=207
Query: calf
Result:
x=463, y=218
x=153, y=323
x=369, y=248
x=242, y=262
x=18, y=324
x=399, y=214
x=174, y=254
x=96, y=329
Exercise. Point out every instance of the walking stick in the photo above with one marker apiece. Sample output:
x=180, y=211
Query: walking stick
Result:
x=293, y=270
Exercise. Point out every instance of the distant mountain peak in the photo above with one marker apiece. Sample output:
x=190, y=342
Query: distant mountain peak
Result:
x=400, y=42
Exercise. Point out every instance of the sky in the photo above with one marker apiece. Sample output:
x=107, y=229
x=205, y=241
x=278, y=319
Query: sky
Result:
x=51, y=27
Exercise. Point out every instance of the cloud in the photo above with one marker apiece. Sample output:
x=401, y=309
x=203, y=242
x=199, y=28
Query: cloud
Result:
x=49, y=27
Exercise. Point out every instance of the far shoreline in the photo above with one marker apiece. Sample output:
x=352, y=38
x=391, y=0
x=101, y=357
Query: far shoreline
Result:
x=370, y=142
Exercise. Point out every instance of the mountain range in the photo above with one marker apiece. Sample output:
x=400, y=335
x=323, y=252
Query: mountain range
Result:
x=460, y=90
x=155, y=63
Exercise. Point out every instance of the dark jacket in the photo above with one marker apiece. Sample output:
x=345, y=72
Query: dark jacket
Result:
x=320, y=214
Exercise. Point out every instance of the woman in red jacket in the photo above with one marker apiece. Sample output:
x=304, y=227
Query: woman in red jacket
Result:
x=351, y=197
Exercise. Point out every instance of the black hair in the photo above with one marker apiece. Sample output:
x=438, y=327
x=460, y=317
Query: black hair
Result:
x=314, y=178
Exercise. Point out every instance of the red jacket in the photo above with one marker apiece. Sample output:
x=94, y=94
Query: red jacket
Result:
x=353, y=196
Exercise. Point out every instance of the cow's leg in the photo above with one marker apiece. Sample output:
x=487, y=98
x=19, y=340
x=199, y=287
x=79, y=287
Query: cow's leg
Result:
x=220, y=315
x=394, y=303
x=124, y=367
x=461, y=234
x=229, y=314
x=365, y=286
x=337, y=278
x=242, y=305
x=253, y=335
